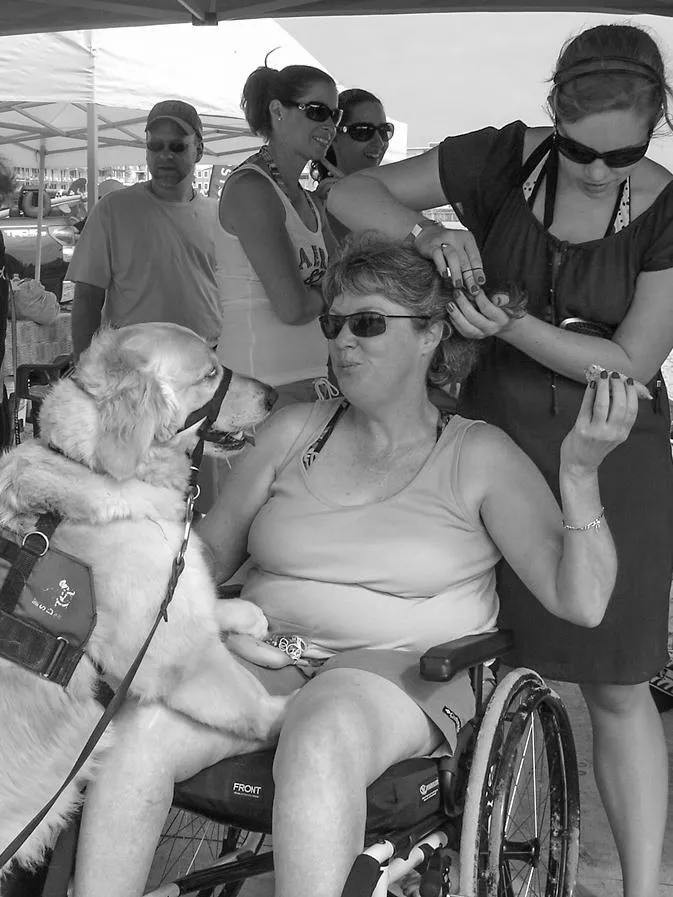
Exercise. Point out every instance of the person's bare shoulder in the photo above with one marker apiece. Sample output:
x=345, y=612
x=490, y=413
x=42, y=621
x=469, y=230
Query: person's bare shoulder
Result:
x=281, y=430
x=647, y=182
x=533, y=138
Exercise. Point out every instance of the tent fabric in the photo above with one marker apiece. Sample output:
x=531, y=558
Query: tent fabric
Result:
x=124, y=71
x=31, y=16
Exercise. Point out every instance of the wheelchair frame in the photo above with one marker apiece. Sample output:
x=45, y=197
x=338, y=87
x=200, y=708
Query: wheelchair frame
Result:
x=505, y=840
x=480, y=827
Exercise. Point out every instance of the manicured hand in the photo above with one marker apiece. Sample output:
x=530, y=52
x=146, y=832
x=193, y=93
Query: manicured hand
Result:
x=455, y=254
x=606, y=416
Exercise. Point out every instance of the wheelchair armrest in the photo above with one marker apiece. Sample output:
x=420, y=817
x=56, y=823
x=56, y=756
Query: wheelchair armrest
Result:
x=441, y=662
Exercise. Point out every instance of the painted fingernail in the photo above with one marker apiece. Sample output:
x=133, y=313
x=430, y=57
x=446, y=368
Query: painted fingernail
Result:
x=604, y=375
x=451, y=307
x=629, y=380
x=481, y=279
x=456, y=294
x=592, y=384
x=615, y=375
x=474, y=289
x=458, y=285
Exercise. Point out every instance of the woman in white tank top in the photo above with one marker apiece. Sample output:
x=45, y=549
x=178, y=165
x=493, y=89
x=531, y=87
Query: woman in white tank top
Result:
x=272, y=245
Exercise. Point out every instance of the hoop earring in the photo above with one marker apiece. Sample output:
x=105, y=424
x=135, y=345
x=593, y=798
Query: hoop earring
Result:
x=447, y=330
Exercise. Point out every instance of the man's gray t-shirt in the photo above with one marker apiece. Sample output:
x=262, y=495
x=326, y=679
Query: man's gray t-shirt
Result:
x=156, y=259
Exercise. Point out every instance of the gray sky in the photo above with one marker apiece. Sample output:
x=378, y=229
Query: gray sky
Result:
x=454, y=72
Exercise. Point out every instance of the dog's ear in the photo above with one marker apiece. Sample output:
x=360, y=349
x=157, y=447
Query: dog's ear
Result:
x=133, y=407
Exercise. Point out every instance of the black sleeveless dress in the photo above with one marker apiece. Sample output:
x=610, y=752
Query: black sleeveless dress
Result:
x=482, y=177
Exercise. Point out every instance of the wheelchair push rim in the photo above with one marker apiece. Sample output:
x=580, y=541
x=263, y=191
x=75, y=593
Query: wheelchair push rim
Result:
x=520, y=830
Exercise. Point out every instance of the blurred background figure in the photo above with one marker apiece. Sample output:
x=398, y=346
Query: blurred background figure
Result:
x=361, y=141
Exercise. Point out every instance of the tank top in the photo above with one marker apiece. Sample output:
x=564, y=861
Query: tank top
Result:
x=408, y=571
x=254, y=340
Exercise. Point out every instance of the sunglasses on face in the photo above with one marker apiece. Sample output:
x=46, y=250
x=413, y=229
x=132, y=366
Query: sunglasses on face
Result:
x=173, y=146
x=317, y=111
x=362, y=132
x=361, y=323
x=584, y=155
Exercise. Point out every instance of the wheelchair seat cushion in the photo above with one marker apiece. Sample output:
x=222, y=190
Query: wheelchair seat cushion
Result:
x=239, y=791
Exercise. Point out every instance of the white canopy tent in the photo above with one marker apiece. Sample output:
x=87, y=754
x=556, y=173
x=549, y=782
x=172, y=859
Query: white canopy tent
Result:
x=88, y=92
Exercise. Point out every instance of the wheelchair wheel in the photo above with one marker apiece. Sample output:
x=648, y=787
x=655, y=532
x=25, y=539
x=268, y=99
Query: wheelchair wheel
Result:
x=190, y=843
x=520, y=831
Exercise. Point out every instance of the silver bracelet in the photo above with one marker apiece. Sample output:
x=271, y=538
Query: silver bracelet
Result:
x=592, y=524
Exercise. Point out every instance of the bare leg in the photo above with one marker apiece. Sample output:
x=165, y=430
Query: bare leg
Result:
x=343, y=730
x=127, y=805
x=631, y=767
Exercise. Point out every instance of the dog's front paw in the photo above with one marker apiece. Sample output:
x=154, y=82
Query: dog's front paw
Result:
x=237, y=615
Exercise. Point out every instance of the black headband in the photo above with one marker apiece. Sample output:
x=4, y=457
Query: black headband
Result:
x=606, y=65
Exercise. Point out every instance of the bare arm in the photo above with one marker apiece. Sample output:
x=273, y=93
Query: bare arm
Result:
x=389, y=199
x=252, y=211
x=637, y=349
x=225, y=527
x=87, y=308
x=572, y=573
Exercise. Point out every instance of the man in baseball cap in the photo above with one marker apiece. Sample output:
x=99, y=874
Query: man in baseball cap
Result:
x=148, y=252
x=181, y=113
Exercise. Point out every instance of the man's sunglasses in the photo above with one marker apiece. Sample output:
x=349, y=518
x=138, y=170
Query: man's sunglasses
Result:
x=584, y=155
x=362, y=132
x=173, y=146
x=361, y=323
x=317, y=111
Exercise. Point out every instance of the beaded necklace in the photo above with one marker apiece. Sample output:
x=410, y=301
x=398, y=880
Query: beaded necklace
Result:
x=266, y=155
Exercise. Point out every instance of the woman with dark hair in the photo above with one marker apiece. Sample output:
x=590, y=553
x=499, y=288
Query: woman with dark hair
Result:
x=584, y=221
x=273, y=253
x=374, y=524
x=361, y=141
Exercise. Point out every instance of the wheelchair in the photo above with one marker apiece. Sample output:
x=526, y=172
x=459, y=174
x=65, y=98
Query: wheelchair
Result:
x=499, y=818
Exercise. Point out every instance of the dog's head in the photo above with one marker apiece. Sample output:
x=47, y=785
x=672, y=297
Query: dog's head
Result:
x=145, y=386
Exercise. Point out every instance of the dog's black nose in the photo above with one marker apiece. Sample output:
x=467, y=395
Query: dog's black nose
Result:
x=271, y=397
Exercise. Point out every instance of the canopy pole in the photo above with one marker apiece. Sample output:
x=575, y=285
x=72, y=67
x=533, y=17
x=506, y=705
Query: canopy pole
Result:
x=40, y=211
x=91, y=156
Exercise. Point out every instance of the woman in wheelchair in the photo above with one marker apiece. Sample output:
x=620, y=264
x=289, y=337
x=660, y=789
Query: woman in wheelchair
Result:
x=374, y=525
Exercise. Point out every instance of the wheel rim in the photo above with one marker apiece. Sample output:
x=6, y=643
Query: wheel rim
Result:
x=188, y=843
x=520, y=827
x=531, y=826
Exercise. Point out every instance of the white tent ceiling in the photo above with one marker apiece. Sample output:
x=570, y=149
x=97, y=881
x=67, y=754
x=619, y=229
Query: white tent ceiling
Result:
x=27, y=16
x=49, y=81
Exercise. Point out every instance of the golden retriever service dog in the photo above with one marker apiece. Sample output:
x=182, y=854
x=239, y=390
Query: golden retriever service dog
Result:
x=112, y=460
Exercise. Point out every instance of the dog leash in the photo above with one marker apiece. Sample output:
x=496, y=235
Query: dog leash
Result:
x=208, y=414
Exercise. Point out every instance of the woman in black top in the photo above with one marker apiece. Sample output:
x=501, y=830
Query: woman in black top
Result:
x=578, y=216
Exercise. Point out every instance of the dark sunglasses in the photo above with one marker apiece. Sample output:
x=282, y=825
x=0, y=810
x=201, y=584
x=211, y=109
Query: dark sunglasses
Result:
x=361, y=132
x=361, y=323
x=173, y=146
x=584, y=155
x=317, y=111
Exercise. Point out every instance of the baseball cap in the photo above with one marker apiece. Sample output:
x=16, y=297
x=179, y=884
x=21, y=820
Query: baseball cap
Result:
x=176, y=110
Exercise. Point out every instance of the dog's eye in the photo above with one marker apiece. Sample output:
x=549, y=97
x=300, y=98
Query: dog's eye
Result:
x=212, y=374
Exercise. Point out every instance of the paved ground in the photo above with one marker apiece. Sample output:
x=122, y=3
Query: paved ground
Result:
x=599, y=863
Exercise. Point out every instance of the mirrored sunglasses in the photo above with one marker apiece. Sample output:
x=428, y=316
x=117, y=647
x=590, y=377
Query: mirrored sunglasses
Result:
x=584, y=155
x=173, y=146
x=362, y=324
x=317, y=111
x=363, y=131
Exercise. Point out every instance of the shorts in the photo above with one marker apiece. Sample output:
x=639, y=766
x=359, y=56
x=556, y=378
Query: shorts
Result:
x=448, y=704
